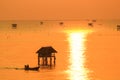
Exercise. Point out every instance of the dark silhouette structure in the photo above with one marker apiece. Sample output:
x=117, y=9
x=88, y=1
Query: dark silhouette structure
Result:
x=46, y=54
x=61, y=23
x=94, y=20
x=90, y=24
x=14, y=26
x=41, y=23
x=29, y=68
x=118, y=27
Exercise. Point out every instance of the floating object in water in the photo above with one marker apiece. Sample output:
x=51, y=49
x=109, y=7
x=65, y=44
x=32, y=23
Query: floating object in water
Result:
x=14, y=26
x=94, y=20
x=41, y=23
x=118, y=27
x=90, y=24
x=61, y=23
x=31, y=68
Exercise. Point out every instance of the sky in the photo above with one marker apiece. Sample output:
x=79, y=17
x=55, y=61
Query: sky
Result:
x=59, y=9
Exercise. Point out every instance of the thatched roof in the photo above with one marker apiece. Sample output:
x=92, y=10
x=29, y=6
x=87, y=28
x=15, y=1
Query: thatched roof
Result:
x=48, y=49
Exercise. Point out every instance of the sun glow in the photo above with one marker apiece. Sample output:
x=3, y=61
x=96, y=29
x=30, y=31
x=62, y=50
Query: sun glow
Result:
x=77, y=70
x=77, y=49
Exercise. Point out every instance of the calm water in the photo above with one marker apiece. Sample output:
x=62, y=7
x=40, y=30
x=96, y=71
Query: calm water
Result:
x=85, y=52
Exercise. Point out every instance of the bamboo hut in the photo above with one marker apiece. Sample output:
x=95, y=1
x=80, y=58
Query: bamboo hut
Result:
x=46, y=54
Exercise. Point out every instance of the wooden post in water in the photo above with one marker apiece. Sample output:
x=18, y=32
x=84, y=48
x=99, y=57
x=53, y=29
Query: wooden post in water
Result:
x=38, y=61
x=54, y=60
x=50, y=61
x=46, y=62
x=43, y=61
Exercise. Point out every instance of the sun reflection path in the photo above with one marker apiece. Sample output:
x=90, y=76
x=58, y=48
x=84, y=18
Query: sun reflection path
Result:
x=77, y=71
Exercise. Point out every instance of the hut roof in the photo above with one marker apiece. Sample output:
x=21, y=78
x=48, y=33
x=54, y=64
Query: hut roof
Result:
x=48, y=49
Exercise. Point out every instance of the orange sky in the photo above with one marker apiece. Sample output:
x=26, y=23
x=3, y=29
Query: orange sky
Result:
x=59, y=9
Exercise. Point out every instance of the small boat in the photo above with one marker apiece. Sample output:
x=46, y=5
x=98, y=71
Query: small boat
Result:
x=61, y=23
x=90, y=24
x=31, y=68
x=118, y=27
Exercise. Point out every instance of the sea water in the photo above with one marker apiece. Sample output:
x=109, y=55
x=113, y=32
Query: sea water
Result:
x=86, y=49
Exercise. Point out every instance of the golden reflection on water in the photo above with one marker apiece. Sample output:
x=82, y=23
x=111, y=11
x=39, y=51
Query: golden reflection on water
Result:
x=77, y=71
